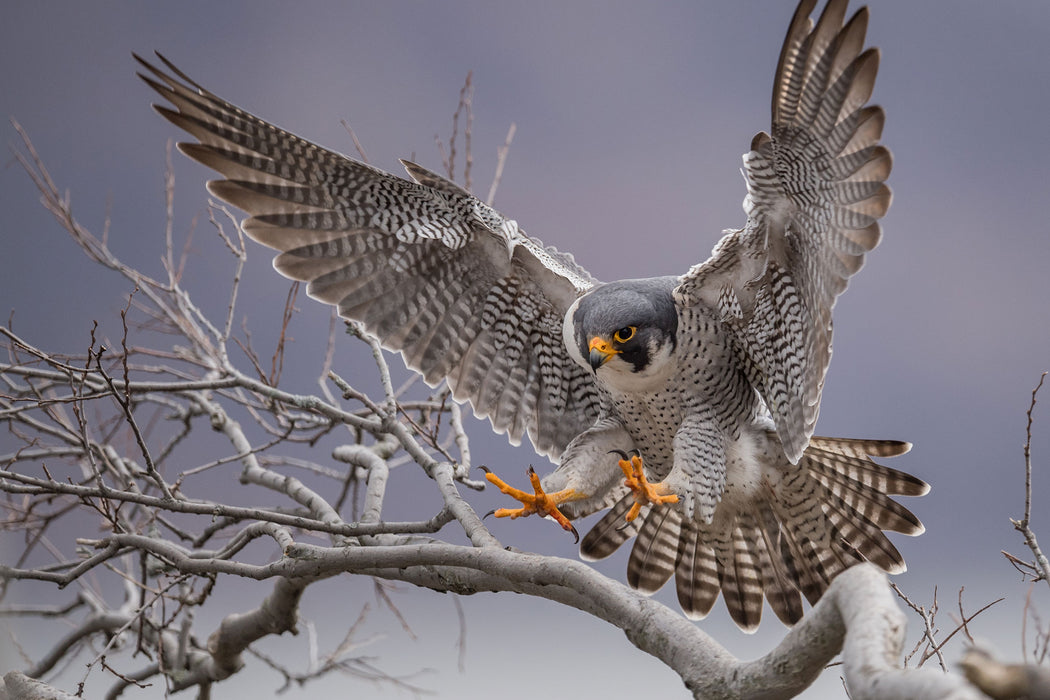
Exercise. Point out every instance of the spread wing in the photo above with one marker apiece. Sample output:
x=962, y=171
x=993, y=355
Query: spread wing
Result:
x=429, y=269
x=815, y=193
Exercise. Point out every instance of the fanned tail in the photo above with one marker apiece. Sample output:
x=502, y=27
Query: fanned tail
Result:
x=806, y=525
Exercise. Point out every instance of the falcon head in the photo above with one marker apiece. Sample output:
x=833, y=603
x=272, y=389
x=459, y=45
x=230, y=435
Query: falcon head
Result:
x=624, y=332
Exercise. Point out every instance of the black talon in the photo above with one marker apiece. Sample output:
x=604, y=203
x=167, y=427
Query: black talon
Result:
x=623, y=455
x=484, y=469
x=575, y=534
x=488, y=514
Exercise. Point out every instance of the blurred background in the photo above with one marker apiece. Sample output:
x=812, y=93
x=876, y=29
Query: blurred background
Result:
x=631, y=120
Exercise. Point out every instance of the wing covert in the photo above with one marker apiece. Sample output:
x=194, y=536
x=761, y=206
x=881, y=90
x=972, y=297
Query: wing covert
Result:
x=815, y=193
x=428, y=268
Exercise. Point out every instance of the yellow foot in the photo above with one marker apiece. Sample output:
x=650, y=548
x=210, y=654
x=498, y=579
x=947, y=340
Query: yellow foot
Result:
x=644, y=493
x=540, y=502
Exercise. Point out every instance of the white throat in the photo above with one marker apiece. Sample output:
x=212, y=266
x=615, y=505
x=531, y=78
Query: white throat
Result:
x=621, y=377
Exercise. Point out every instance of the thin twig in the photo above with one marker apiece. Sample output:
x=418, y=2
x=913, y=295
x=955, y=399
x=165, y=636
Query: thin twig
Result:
x=501, y=160
x=929, y=631
x=353, y=137
x=1023, y=525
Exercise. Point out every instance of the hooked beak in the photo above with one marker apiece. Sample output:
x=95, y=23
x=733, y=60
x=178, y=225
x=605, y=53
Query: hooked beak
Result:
x=601, y=352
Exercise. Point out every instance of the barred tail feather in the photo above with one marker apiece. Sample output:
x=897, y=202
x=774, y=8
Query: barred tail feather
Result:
x=862, y=536
x=655, y=552
x=611, y=531
x=696, y=575
x=777, y=584
x=864, y=501
x=852, y=459
x=738, y=572
x=800, y=567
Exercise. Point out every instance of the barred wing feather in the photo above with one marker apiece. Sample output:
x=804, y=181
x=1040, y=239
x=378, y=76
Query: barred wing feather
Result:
x=429, y=269
x=815, y=194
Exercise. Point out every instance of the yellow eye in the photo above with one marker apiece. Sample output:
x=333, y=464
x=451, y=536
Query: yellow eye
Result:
x=624, y=334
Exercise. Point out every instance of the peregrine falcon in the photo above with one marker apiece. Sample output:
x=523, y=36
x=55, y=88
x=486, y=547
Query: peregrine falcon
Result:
x=685, y=405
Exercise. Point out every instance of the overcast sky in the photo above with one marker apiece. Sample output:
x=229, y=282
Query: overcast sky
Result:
x=631, y=120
